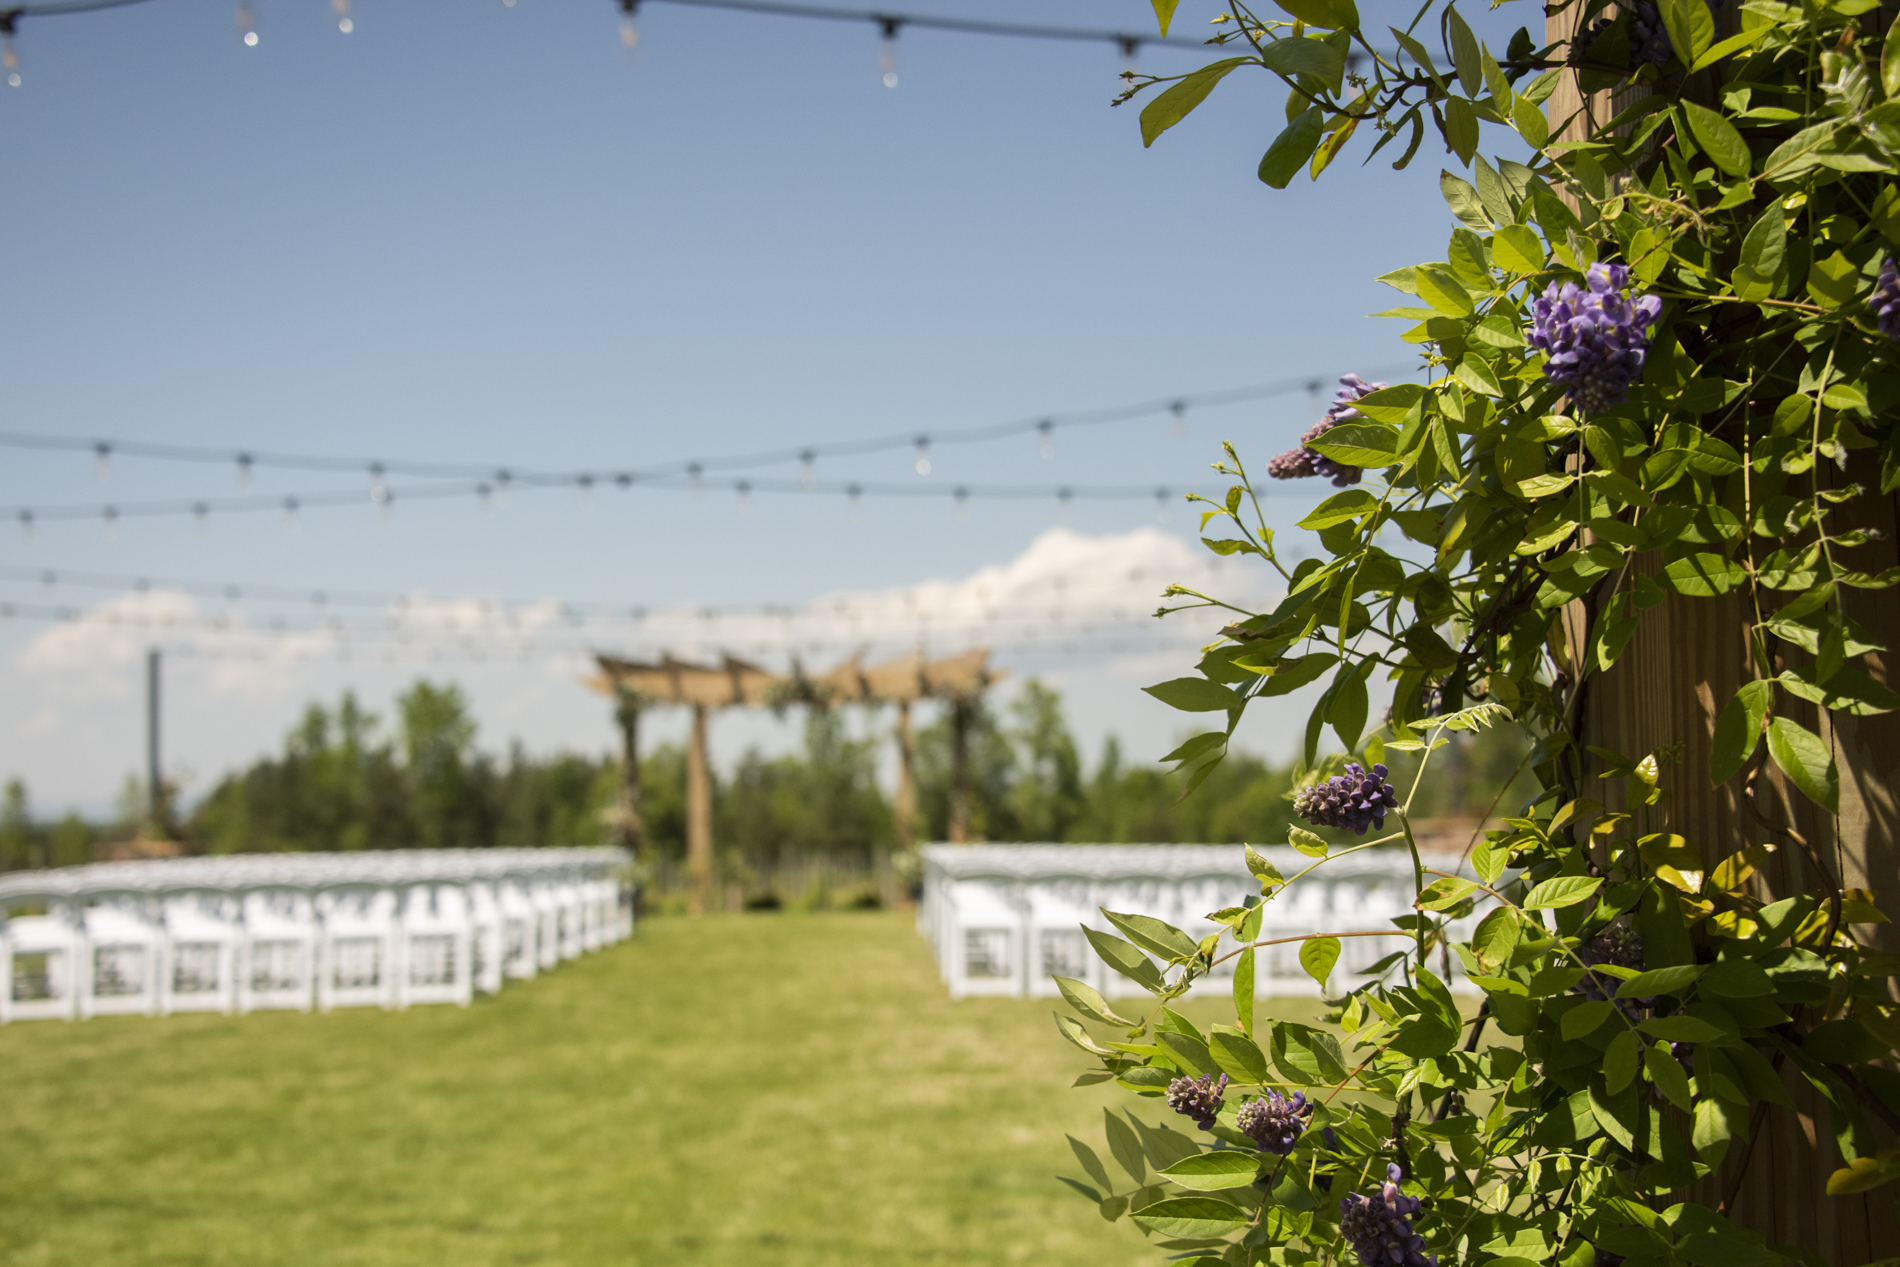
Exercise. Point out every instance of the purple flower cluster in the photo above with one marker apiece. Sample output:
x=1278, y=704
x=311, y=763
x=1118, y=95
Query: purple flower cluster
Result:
x=1275, y=1123
x=1199, y=1098
x=1379, y=1226
x=1355, y=799
x=1620, y=947
x=1306, y=461
x=1885, y=300
x=1594, y=338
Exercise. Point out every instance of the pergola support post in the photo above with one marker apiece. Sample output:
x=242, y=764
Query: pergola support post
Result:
x=632, y=826
x=699, y=812
x=906, y=806
x=961, y=711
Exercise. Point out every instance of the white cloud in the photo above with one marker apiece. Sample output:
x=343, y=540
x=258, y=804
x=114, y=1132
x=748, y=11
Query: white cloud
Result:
x=1073, y=608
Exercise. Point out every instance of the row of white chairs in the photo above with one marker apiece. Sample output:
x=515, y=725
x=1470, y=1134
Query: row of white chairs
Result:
x=249, y=932
x=1008, y=919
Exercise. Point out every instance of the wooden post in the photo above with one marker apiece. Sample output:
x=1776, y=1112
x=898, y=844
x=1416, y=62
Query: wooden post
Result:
x=699, y=832
x=1683, y=664
x=906, y=807
x=960, y=711
x=632, y=826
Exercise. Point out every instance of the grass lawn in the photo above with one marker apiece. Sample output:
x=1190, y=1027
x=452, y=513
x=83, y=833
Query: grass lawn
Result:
x=758, y=1090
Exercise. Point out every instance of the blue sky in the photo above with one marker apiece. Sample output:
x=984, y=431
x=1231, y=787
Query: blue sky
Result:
x=475, y=232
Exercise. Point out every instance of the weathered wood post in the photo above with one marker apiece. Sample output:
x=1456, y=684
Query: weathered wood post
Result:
x=632, y=826
x=1685, y=661
x=961, y=711
x=906, y=804
x=699, y=828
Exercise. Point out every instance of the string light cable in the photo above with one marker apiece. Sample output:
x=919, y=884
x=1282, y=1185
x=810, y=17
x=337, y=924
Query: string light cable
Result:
x=455, y=480
x=246, y=460
x=419, y=611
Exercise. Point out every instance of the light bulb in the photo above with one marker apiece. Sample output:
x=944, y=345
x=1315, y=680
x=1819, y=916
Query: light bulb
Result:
x=887, y=51
x=341, y=9
x=629, y=33
x=247, y=23
x=923, y=455
x=9, y=56
x=1046, y=438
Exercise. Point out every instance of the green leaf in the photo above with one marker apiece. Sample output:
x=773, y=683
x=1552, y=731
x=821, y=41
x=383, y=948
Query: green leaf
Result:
x=1584, y=1018
x=1292, y=148
x=1188, y=1052
x=1331, y=15
x=1660, y=981
x=1164, y=13
x=1125, y=959
x=1767, y=242
x=1243, y=996
x=1181, y=97
x=1890, y=68
x=1668, y=1074
x=1303, y=56
x=1126, y=1145
x=1442, y=291
x=1691, y=27
x=1090, y=1162
x=1192, y=1218
x=1843, y=1042
x=1317, y=957
x=1738, y=730
x=1307, y=843
x=1464, y=53
x=1238, y=1056
x=1339, y=508
x=1217, y=1171
x=1561, y=891
x=1718, y=139
x=1806, y=760
x=1263, y=871
x=1084, y=999
x=1153, y=935
x=1306, y=1056
x=1704, y=575
x=1194, y=695
x=1731, y=46
x=1530, y=122
x=1072, y=1030
x=1198, y=746
x=1517, y=249
x=1833, y=281
x=1496, y=937
x=1391, y=404
x=1620, y=1060
x=1294, y=674
x=1347, y=709
x=1681, y=1029
x=1440, y=894
x=1490, y=859
x=1736, y=979
x=1476, y=375
x=1359, y=444
x=1462, y=197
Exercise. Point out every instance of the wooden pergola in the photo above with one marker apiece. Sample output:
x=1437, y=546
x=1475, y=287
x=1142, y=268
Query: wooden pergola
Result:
x=635, y=686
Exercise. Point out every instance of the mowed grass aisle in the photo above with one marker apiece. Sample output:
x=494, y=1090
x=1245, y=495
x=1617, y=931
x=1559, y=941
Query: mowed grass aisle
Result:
x=734, y=1090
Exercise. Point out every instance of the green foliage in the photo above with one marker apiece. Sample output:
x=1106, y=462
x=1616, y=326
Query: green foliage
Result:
x=1512, y=536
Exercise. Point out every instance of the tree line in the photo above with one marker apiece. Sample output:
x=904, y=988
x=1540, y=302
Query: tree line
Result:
x=345, y=779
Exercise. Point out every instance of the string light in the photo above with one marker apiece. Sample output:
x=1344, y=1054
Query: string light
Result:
x=923, y=455
x=340, y=10
x=247, y=23
x=9, y=56
x=887, y=49
x=1046, y=438
x=806, y=454
x=629, y=32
